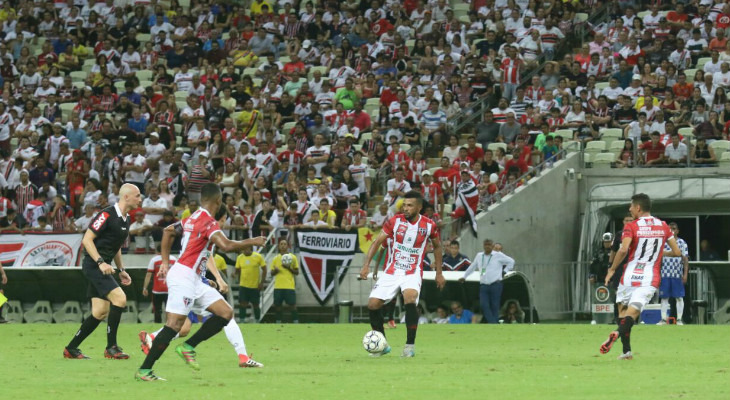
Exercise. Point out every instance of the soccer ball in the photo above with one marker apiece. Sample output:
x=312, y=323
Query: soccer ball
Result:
x=374, y=342
x=287, y=260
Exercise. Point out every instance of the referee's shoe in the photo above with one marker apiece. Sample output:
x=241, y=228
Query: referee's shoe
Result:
x=115, y=353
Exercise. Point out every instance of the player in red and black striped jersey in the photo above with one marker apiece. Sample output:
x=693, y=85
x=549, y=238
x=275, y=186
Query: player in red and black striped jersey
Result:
x=103, y=242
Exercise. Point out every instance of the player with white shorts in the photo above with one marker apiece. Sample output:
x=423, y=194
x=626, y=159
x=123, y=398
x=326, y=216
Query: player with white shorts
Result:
x=643, y=240
x=186, y=290
x=407, y=237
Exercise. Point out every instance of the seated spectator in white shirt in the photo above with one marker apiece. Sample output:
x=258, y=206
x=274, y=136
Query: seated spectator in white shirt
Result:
x=676, y=152
x=141, y=230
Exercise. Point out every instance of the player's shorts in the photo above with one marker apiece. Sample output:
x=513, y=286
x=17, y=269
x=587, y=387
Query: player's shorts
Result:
x=635, y=296
x=389, y=285
x=671, y=287
x=187, y=292
x=99, y=284
x=288, y=296
x=249, y=295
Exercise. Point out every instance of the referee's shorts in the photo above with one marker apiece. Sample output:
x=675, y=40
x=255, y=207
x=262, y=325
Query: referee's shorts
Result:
x=99, y=284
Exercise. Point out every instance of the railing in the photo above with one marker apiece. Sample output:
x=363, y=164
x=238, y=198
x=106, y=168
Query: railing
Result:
x=475, y=111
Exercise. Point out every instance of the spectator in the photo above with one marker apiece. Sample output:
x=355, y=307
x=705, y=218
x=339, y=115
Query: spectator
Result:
x=141, y=230
x=676, y=152
x=459, y=315
x=453, y=260
x=442, y=316
x=707, y=253
x=511, y=313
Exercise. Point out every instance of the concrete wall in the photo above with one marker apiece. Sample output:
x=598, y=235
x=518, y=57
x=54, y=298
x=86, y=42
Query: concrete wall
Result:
x=538, y=224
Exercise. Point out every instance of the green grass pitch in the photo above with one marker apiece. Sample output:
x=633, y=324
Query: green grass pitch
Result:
x=327, y=362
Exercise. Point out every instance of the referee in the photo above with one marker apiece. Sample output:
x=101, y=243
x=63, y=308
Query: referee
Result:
x=103, y=240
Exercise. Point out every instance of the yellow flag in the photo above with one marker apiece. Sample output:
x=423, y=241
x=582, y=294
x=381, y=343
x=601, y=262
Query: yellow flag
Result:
x=366, y=237
x=3, y=299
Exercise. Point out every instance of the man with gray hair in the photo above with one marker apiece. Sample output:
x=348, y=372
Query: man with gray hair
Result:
x=491, y=266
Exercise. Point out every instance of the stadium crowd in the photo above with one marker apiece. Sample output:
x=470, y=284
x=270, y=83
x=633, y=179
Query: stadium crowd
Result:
x=306, y=113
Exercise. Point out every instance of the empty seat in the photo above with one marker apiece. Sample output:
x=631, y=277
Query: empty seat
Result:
x=701, y=62
x=571, y=146
x=724, y=160
x=720, y=146
x=13, y=311
x=70, y=312
x=566, y=134
x=607, y=133
x=146, y=316
x=690, y=73
x=603, y=160
x=41, y=312
x=595, y=147
x=616, y=147
x=130, y=312
x=497, y=145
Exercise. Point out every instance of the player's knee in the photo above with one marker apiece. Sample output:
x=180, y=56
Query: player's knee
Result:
x=227, y=313
x=374, y=304
x=100, y=314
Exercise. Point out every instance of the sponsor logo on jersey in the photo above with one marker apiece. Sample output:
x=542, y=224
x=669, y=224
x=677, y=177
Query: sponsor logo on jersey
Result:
x=100, y=220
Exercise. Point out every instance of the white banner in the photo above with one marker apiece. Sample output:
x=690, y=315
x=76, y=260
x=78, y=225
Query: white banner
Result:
x=40, y=249
x=321, y=253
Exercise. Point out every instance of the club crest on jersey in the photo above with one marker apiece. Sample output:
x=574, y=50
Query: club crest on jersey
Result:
x=187, y=301
x=639, y=269
x=422, y=231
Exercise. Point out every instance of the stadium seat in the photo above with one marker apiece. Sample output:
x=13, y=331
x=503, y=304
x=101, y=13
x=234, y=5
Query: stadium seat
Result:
x=616, y=147
x=448, y=208
x=144, y=38
x=78, y=75
x=595, y=147
x=250, y=71
x=496, y=145
x=566, y=134
x=178, y=128
x=602, y=160
x=321, y=69
x=372, y=172
x=608, y=133
x=120, y=86
x=701, y=63
x=287, y=127
x=13, y=311
x=405, y=147
x=146, y=316
x=602, y=85
x=373, y=100
x=572, y=146
x=720, y=146
x=690, y=73
x=284, y=59
x=257, y=82
x=586, y=160
x=79, y=84
x=581, y=17
x=433, y=169
x=41, y=312
x=181, y=104
x=70, y=312
x=371, y=109
x=410, y=43
x=365, y=136
x=181, y=95
x=144, y=75
x=66, y=110
x=130, y=312
x=724, y=160
x=642, y=14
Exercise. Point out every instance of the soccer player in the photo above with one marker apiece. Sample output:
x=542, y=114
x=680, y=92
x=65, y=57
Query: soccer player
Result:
x=186, y=290
x=407, y=235
x=252, y=270
x=643, y=240
x=674, y=276
x=103, y=242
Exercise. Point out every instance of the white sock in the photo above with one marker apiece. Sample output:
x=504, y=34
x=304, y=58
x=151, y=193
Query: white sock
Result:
x=235, y=337
x=665, y=309
x=680, y=307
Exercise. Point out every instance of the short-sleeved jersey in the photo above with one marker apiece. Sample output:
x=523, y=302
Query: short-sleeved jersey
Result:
x=407, y=244
x=673, y=267
x=648, y=236
x=159, y=284
x=196, y=244
x=112, y=229
x=284, y=279
x=250, y=267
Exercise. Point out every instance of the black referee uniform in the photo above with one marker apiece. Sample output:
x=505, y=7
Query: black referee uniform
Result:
x=111, y=231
